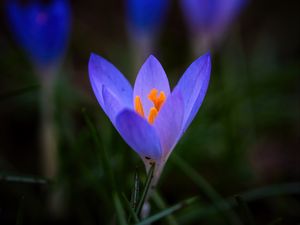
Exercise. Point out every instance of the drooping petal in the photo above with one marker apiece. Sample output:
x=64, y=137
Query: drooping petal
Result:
x=139, y=134
x=193, y=86
x=112, y=105
x=151, y=75
x=169, y=121
x=101, y=73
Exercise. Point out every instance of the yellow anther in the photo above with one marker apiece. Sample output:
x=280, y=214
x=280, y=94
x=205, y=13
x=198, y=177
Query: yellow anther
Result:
x=157, y=101
x=152, y=95
x=138, y=106
x=152, y=115
x=160, y=100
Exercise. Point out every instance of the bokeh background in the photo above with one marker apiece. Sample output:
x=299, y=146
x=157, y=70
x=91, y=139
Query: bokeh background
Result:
x=245, y=138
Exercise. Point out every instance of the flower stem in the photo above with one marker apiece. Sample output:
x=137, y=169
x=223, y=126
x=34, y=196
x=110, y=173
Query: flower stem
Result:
x=49, y=140
x=48, y=131
x=147, y=189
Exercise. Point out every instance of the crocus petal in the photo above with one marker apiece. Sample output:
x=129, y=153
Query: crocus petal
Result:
x=193, y=86
x=139, y=134
x=112, y=105
x=101, y=73
x=169, y=121
x=151, y=75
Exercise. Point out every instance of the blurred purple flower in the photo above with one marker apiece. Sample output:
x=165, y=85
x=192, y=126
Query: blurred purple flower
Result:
x=144, y=21
x=150, y=118
x=42, y=29
x=210, y=17
x=146, y=16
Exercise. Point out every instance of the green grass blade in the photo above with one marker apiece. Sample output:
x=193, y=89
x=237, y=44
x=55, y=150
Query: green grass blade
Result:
x=131, y=210
x=168, y=211
x=107, y=168
x=145, y=190
x=161, y=205
x=136, y=191
x=273, y=190
x=230, y=216
x=134, y=194
x=104, y=156
x=244, y=211
x=22, y=179
x=248, y=196
x=17, y=92
x=119, y=210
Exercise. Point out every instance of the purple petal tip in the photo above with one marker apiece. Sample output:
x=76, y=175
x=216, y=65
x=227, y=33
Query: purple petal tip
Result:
x=151, y=58
x=206, y=59
x=206, y=55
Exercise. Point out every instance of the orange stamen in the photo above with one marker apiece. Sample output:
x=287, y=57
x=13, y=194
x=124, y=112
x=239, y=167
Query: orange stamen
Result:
x=152, y=115
x=157, y=101
x=138, y=106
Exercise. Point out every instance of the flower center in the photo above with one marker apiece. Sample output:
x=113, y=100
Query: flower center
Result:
x=157, y=100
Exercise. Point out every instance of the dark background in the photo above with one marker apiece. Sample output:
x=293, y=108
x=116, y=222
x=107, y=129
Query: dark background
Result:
x=245, y=136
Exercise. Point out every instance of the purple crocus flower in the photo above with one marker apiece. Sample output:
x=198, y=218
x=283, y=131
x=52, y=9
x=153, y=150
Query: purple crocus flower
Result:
x=144, y=20
x=210, y=18
x=42, y=29
x=149, y=117
x=146, y=16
